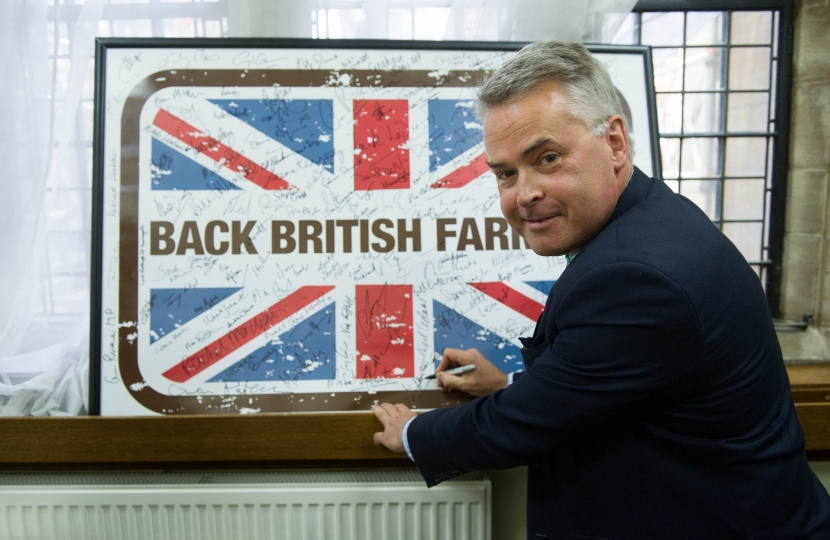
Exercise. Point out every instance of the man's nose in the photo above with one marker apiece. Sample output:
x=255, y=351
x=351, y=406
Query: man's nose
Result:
x=529, y=189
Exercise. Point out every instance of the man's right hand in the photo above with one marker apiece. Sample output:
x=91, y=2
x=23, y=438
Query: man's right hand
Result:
x=485, y=379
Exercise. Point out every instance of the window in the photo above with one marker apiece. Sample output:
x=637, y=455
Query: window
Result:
x=723, y=127
x=722, y=120
x=61, y=294
x=408, y=19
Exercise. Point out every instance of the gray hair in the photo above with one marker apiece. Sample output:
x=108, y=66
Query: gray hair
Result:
x=584, y=79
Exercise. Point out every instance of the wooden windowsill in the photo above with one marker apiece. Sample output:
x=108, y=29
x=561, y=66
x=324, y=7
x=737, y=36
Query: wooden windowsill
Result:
x=810, y=383
x=262, y=440
x=269, y=440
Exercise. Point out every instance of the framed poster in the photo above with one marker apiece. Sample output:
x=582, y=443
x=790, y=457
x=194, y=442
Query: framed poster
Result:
x=304, y=225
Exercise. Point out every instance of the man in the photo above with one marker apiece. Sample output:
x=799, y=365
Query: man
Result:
x=655, y=403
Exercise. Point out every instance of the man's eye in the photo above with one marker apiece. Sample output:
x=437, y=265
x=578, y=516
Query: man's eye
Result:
x=550, y=158
x=504, y=175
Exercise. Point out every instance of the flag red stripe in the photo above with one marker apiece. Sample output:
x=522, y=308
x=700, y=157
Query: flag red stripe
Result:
x=218, y=152
x=245, y=332
x=511, y=298
x=381, y=132
x=383, y=316
x=464, y=175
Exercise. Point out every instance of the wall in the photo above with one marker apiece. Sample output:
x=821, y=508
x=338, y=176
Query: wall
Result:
x=805, y=285
x=510, y=503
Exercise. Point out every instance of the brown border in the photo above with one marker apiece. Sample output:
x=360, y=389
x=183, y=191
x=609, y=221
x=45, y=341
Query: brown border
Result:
x=128, y=273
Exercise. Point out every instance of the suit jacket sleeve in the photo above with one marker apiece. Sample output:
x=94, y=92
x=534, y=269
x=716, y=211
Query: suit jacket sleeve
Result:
x=627, y=342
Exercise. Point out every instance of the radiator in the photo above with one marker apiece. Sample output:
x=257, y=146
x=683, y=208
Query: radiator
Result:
x=322, y=505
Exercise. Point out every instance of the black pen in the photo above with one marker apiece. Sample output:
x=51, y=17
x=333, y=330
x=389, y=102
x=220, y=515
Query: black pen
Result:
x=455, y=371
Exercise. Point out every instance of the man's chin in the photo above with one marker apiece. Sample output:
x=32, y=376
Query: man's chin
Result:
x=547, y=250
x=547, y=244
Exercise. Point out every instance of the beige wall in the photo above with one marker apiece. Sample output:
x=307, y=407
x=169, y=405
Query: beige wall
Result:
x=805, y=286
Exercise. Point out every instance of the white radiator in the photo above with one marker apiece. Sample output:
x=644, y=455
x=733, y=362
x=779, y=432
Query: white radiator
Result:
x=345, y=505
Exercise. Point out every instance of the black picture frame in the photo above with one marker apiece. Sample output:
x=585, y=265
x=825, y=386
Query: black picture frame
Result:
x=101, y=315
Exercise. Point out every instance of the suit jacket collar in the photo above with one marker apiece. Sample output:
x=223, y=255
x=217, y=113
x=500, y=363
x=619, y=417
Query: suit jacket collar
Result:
x=636, y=190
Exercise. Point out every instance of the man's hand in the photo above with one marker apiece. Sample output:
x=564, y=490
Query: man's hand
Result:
x=485, y=379
x=393, y=418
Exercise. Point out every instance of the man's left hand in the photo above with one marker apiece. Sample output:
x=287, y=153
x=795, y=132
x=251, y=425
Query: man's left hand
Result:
x=393, y=418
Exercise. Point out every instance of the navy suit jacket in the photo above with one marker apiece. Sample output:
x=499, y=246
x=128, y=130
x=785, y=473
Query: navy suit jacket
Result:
x=655, y=403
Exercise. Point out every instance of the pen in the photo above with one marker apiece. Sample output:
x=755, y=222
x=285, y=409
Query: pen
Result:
x=456, y=371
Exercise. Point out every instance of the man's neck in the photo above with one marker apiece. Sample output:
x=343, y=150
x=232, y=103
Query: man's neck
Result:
x=570, y=256
x=630, y=168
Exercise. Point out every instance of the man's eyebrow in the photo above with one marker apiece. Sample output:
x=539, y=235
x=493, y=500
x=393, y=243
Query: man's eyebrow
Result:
x=535, y=145
x=525, y=152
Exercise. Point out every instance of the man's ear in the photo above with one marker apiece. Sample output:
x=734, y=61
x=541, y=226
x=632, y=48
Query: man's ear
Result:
x=617, y=138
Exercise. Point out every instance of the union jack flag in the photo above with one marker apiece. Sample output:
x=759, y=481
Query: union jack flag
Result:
x=220, y=166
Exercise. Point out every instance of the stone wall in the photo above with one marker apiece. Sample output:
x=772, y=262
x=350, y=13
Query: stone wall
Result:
x=806, y=266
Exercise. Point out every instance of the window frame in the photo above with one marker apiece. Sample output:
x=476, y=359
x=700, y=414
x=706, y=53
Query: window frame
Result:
x=780, y=109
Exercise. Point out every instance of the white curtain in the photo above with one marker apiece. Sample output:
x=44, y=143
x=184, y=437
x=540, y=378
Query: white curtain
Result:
x=591, y=21
x=43, y=360
x=46, y=75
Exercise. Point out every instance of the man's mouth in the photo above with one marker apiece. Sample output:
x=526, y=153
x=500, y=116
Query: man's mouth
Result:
x=539, y=222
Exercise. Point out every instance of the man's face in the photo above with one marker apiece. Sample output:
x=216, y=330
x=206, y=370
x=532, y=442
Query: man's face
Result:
x=558, y=182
